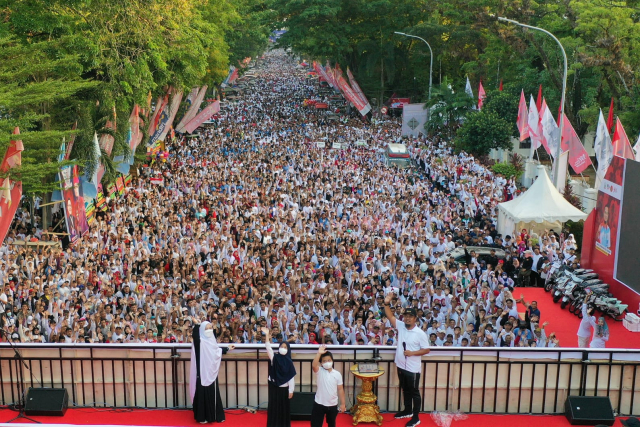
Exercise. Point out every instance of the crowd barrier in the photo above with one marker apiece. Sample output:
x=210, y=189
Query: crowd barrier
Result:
x=477, y=380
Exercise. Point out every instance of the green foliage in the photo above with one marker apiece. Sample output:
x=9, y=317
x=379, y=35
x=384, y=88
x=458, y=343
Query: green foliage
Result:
x=447, y=108
x=482, y=132
x=506, y=169
x=71, y=61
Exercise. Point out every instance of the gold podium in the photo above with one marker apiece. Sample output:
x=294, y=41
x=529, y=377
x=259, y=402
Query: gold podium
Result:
x=366, y=410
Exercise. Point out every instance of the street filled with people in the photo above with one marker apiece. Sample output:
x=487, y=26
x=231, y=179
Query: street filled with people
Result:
x=252, y=224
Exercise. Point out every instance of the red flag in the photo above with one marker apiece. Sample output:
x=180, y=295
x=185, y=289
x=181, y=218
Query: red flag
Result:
x=621, y=144
x=10, y=190
x=539, y=101
x=610, y=118
x=481, y=96
x=500, y=88
x=559, y=113
x=578, y=157
x=523, y=116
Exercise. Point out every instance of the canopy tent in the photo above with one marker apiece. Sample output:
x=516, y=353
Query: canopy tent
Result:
x=540, y=207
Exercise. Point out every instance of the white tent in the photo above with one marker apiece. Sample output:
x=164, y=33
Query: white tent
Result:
x=540, y=207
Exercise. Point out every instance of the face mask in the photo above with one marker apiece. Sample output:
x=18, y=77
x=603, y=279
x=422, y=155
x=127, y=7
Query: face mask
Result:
x=208, y=333
x=282, y=351
x=327, y=365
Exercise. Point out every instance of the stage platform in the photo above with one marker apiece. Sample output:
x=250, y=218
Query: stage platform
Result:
x=237, y=418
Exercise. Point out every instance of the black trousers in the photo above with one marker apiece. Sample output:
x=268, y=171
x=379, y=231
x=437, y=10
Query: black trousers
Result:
x=409, y=383
x=320, y=411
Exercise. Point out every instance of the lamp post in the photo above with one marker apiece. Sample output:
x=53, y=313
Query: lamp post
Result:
x=430, y=65
x=560, y=181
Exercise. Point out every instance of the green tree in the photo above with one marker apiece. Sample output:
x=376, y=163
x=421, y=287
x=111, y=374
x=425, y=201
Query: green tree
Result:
x=36, y=79
x=482, y=132
x=448, y=107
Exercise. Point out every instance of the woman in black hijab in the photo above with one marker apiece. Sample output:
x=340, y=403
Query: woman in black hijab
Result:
x=281, y=383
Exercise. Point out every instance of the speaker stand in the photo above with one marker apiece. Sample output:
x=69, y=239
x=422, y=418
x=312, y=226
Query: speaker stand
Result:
x=21, y=389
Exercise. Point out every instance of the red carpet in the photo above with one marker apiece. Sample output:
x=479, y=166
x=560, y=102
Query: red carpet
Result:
x=143, y=417
x=565, y=324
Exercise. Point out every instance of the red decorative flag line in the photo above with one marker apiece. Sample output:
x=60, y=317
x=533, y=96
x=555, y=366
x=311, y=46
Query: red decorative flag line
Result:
x=621, y=143
x=578, y=157
x=10, y=190
x=481, y=96
x=500, y=88
x=610, y=118
x=523, y=116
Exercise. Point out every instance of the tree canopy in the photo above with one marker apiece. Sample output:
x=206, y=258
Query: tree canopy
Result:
x=600, y=37
x=66, y=62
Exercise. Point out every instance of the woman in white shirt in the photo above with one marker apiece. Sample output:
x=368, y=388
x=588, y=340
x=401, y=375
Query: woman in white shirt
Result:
x=600, y=334
x=282, y=375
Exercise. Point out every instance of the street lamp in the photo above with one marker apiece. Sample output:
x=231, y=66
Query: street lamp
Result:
x=430, y=51
x=560, y=181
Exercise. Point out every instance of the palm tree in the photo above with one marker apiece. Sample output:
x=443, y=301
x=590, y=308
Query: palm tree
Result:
x=448, y=108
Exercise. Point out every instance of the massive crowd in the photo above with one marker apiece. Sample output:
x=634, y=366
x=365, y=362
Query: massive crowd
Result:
x=254, y=226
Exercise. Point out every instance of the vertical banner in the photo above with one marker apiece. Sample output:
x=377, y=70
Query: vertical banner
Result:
x=608, y=211
x=414, y=118
x=356, y=87
x=165, y=118
x=578, y=157
x=193, y=110
x=10, y=190
x=74, y=205
x=523, y=125
x=188, y=103
x=351, y=96
x=203, y=116
x=161, y=104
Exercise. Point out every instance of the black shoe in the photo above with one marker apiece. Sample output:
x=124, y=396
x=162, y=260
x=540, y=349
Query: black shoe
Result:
x=403, y=414
x=413, y=422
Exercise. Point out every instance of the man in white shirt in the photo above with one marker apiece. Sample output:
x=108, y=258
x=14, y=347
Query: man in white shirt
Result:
x=413, y=343
x=330, y=390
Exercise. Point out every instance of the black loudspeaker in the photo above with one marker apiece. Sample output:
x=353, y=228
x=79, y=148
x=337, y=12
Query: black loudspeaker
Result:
x=589, y=410
x=46, y=402
x=301, y=405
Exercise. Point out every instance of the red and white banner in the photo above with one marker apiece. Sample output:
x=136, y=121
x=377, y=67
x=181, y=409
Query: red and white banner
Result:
x=533, y=123
x=161, y=103
x=356, y=87
x=523, y=114
x=351, y=95
x=191, y=98
x=621, y=143
x=578, y=157
x=321, y=72
x=550, y=137
x=193, y=110
x=331, y=76
x=203, y=116
x=166, y=118
x=10, y=191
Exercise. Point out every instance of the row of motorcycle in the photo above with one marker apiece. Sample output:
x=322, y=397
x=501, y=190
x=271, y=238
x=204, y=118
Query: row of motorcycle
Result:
x=570, y=287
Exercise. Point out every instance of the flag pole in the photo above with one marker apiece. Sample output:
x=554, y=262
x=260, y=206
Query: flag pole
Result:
x=560, y=181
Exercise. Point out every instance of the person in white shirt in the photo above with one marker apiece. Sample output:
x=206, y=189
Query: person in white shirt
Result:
x=413, y=343
x=330, y=390
x=586, y=324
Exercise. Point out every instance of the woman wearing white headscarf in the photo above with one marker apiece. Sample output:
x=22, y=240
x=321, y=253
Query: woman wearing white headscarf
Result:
x=206, y=356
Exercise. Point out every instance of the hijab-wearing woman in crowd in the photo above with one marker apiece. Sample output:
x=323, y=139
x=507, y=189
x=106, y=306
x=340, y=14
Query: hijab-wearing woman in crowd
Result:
x=206, y=357
x=282, y=375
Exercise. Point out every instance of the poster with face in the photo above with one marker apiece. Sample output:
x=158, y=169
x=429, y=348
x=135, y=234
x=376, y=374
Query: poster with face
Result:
x=74, y=206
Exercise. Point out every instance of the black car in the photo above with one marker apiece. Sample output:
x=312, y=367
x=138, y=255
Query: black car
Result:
x=482, y=253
